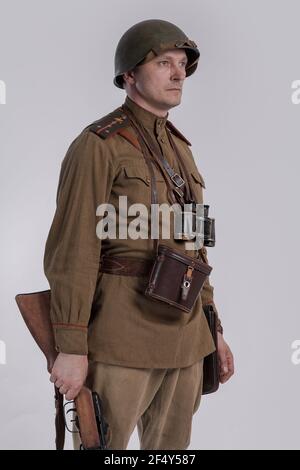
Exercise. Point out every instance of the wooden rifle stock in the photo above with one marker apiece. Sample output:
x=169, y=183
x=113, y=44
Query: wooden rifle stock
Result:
x=35, y=310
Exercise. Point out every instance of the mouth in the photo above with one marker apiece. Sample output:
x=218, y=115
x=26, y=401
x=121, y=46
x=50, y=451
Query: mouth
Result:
x=174, y=89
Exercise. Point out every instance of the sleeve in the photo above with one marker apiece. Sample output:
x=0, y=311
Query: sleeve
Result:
x=72, y=250
x=207, y=291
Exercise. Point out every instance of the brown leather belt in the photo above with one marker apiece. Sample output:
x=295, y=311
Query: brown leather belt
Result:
x=126, y=266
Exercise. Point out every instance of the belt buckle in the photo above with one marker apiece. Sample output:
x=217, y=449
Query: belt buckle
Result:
x=176, y=178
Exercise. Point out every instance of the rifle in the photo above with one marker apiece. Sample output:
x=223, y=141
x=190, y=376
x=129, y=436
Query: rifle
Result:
x=35, y=310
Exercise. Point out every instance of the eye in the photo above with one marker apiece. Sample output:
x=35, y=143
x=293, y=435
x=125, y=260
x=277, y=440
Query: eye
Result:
x=163, y=62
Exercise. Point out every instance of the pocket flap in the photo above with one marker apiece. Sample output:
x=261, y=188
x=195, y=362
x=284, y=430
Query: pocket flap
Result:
x=137, y=172
x=198, y=178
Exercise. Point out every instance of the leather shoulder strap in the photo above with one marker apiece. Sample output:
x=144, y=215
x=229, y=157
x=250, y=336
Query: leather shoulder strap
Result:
x=176, y=132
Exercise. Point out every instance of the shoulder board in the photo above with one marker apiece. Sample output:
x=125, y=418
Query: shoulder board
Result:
x=110, y=124
x=176, y=132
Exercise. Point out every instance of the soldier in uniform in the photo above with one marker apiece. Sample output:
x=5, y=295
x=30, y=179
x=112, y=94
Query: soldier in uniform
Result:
x=144, y=358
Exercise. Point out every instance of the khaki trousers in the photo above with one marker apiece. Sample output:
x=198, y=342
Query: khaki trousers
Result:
x=160, y=402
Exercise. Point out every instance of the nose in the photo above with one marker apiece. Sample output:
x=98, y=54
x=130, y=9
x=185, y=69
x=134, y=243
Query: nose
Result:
x=178, y=72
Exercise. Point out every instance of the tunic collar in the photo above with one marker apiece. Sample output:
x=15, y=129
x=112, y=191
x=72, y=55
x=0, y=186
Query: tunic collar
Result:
x=149, y=120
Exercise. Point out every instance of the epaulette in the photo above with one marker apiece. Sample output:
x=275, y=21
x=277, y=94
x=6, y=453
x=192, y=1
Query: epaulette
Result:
x=110, y=124
x=116, y=122
x=176, y=132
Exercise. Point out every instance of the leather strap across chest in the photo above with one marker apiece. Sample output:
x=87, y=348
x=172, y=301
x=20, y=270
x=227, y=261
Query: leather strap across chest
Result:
x=179, y=190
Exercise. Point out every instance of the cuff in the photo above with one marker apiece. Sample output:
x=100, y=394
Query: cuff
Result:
x=70, y=339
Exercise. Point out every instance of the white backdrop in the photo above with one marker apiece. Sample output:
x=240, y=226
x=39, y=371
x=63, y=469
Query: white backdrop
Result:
x=56, y=70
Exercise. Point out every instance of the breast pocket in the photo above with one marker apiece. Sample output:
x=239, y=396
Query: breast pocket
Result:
x=135, y=182
x=198, y=185
x=137, y=172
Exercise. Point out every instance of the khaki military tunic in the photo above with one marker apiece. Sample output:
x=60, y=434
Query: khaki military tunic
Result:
x=107, y=316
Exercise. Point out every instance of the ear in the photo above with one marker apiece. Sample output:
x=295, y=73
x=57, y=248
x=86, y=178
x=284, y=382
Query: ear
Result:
x=129, y=77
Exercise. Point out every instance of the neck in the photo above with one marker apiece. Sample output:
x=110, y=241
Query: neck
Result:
x=146, y=105
x=148, y=119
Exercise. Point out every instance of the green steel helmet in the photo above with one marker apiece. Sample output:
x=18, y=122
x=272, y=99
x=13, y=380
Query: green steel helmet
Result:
x=147, y=39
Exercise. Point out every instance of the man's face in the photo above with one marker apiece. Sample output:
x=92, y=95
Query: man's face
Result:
x=159, y=82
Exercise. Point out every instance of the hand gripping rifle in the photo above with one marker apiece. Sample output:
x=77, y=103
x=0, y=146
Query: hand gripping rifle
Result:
x=35, y=310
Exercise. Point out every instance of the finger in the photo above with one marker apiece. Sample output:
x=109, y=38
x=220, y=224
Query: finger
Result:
x=72, y=394
x=230, y=360
x=226, y=376
x=231, y=365
x=224, y=379
x=52, y=378
x=63, y=389
x=59, y=383
x=223, y=366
